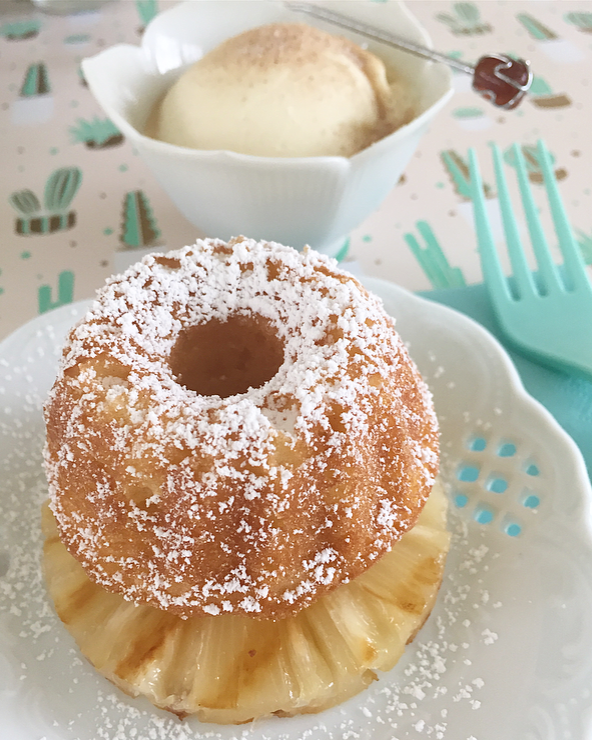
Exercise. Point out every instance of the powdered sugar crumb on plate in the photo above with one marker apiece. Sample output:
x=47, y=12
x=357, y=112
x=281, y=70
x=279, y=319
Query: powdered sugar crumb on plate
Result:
x=61, y=698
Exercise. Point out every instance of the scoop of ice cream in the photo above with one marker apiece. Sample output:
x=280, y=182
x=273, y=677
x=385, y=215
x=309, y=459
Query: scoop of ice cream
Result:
x=282, y=90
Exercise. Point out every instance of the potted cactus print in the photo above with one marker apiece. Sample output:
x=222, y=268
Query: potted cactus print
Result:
x=457, y=168
x=432, y=259
x=147, y=9
x=585, y=242
x=558, y=49
x=60, y=189
x=541, y=95
x=535, y=28
x=472, y=118
x=35, y=102
x=533, y=167
x=36, y=81
x=81, y=77
x=20, y=30
x=139, y=227
x=582, y=21
x=65, y=294
x=100, y=133
x=465, y=20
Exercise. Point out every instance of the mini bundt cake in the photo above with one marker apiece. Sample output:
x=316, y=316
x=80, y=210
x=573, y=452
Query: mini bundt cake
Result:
x=236, y=428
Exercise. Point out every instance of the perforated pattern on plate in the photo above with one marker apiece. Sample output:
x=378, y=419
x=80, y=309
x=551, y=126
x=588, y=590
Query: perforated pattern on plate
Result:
x=506, y=649
x=497, y=485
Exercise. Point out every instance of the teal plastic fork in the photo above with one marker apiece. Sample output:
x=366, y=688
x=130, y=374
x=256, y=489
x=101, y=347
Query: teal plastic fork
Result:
x=548, y=314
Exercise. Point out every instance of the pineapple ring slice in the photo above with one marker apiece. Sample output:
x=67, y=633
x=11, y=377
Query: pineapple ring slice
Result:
x=232, y=668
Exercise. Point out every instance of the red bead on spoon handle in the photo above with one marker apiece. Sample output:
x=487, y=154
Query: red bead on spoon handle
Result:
x=502, y=79
x=499, y=78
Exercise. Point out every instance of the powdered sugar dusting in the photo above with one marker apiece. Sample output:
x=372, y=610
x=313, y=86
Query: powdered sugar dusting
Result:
x=47, y=690
x=212, y=499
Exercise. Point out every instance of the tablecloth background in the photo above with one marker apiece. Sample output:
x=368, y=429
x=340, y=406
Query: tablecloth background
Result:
x=72, y=188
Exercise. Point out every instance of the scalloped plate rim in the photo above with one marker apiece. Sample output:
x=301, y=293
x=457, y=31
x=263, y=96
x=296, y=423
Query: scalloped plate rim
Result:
x=59, y=317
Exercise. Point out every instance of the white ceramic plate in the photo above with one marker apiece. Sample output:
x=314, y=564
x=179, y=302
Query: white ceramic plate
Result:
x=506, y=654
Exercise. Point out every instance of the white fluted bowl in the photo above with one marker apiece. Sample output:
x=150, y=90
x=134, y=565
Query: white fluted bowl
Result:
x=296, y=201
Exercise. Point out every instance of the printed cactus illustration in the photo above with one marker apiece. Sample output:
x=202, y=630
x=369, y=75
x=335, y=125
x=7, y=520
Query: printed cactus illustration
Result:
x=77, y=39
x=535, y=28
x=36, y=81
x=65, y=293
x=541, y=95
x=81, y=77
x=432, y=259
x=26, y=202
x=472, y=118
x=467, y=112
x=582, y=21
x=343, y=252
x=585, y=242
x=455, y=55
x=458, y=170
x=533, y=167
x=139, y=227
x=540, y=86
x=147, y=9
x=35, y=102
x=20, y=30
x=99, y=133
x=60, y=189
x=466, y=20
x=561, y=51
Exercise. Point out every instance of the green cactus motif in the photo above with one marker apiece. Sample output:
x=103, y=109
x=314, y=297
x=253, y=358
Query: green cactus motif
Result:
x=541, y=95
x=343, y=251
x=36, y=81
x=81, y=77
x=26, y=202
x=147, y=10
x=533, y=167
x=20, y=30
x=139, y=227
x=465, y=21
x=65, y=293
x=455, y=55
x=467, y=112
x=458, y=171
x=60, y=189
x=535, y=28
x=583, y=21
x=585, y=242
x=77, y=39
x=99, y=133
x=540, y=86
x=432, y=259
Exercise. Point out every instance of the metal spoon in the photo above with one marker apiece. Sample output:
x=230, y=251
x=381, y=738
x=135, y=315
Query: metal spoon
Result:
x=499, y=78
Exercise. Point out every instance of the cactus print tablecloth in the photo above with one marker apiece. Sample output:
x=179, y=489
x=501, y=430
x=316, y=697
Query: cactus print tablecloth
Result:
x=77, y=204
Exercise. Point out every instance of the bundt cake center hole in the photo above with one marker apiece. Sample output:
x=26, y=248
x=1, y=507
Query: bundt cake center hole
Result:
x=223, y=358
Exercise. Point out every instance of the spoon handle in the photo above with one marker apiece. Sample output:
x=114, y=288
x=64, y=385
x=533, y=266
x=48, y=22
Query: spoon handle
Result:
x=499, y=78
x=375, y=33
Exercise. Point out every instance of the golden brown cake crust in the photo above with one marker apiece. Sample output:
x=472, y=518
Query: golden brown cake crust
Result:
x=258, y=502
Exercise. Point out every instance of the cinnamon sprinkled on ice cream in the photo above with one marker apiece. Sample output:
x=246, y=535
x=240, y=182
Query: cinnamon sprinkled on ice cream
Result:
x=282, y=90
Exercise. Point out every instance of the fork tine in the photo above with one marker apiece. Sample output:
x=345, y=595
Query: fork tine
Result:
x=546, y=266
x=573, y=260
x=492, y=271
x=521, y=270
